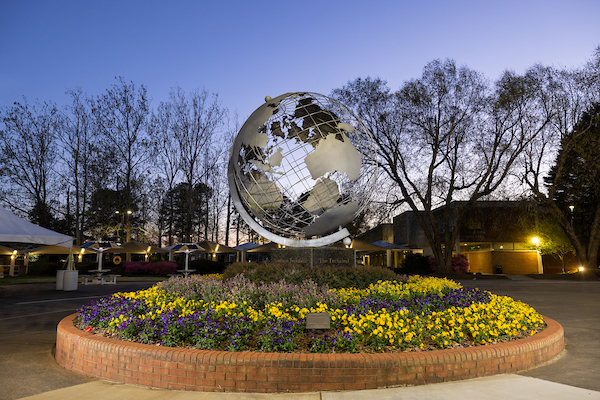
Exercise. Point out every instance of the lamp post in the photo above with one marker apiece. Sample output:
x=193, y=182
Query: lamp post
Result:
x=128, y=232
x=572, y=215
x=128, y=237
x=119, y=230
x=537, y=242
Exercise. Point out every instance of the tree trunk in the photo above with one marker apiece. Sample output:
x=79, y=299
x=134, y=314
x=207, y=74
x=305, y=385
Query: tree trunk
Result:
x=227, y=225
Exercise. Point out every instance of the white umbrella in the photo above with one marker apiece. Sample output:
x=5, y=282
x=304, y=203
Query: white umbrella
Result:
x=100, y=247
x=186, y=248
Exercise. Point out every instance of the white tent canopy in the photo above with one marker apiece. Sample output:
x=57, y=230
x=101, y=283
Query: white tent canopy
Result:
x=17, y=230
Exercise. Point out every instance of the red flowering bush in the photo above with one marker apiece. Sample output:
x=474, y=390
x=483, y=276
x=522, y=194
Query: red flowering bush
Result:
x=146, y=268
x=460, y=264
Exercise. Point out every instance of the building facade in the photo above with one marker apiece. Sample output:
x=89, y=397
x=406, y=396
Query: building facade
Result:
x=493, y=235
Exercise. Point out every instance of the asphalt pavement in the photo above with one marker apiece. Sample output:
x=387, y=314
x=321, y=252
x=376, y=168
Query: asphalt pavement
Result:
x=29, y=314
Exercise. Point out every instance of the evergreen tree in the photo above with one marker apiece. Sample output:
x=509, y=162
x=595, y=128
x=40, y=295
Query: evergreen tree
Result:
x=575, y=181
x=175, y=211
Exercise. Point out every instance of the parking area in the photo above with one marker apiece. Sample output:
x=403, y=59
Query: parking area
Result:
x=29, y=314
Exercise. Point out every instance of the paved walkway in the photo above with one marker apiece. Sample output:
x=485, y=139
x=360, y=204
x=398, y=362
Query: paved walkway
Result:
x=511, y=387
x=29, y=315
x=519, y=278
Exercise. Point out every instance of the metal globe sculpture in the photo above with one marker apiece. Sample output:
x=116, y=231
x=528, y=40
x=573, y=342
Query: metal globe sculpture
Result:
x=302, y=166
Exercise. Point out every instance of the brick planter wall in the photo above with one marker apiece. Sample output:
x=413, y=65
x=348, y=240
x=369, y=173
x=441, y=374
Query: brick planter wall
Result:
x=202, y=370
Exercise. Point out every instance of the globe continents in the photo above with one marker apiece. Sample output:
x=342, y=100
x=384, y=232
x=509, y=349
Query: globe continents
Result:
x=303, y=165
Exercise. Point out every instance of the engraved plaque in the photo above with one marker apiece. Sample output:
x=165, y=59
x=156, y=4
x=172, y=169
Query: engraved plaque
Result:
x=321, y=320
x=315, y=257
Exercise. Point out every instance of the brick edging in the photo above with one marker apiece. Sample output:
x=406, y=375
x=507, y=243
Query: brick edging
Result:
x=222, y=371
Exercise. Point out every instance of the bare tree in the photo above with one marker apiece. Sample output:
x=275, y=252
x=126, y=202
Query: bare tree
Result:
x=220, y=208
x=78, y=139
x=194, y=120
x=168, y=165
x=564, y=99
x=445, y=137
x=28, y=158
x=122, y=117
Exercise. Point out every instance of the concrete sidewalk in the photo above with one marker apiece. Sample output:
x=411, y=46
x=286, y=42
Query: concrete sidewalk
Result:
x=29, y=315
x=512, y=387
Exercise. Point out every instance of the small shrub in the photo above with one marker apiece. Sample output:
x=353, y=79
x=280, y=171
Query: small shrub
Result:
x=460, y=264
x=42, y=267
x=204, y=266
x=415, y=264
x=240, y=290
x=264, y=272
x=159, y=268
x=359, y=277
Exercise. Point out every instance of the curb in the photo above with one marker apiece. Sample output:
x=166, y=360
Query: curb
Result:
x=256, y=372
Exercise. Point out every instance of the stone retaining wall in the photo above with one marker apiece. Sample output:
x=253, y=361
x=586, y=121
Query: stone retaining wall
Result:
x=203, y=370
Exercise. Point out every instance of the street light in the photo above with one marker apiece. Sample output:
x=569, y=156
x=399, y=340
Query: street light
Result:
x=536, y=242
x=572, y=214
x=128, y=212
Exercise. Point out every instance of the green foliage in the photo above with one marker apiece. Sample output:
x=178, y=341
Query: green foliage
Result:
x=335, y=277
x=553, y=240
x=319, y=344
x=160, y=268
x=415, y=264
x=106, y=214
x=578, y=183
x=359, y=277
x=43, y=267
x=181, y=210
x=204, y=266
x=41, y=215
x=459, y=264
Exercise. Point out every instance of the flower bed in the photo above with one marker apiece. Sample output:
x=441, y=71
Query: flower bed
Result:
x=236, y=315
x=159, y=268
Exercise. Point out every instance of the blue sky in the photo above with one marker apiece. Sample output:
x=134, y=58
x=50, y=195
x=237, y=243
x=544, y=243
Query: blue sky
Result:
x=245, y=50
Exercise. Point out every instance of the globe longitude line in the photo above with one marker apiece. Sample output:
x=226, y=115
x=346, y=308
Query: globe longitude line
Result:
x=300, y=171
x=286, y=190
x=314, y=130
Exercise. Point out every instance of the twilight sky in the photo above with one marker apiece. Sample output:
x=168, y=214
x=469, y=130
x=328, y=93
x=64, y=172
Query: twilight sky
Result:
x=245, y=50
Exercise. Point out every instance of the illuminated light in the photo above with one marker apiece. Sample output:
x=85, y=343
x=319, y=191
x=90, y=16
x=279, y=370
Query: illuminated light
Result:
x=580, y=268
x=148, y=249
x=535, y=240
x=571, y=208
x=129, y=212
